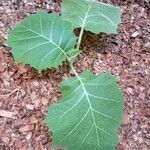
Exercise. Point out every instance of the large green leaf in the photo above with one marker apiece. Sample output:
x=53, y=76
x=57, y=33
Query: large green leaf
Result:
x=92, y=15
x=42, y=40
x=89, y=113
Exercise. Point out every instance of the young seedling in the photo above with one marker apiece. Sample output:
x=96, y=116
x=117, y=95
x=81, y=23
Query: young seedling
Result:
x=89, y=113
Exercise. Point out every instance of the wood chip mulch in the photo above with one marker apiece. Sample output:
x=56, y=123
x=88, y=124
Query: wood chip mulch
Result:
x=25, y=95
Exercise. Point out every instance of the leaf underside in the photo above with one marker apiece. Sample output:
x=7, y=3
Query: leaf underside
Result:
x=92, y=15
x=42, y=40
x=89, y=113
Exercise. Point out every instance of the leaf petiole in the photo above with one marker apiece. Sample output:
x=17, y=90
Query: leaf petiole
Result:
x=80, y=38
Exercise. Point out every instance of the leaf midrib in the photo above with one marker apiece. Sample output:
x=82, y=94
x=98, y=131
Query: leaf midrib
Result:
x=91, y=109
x=86, y=16
x=94, y=121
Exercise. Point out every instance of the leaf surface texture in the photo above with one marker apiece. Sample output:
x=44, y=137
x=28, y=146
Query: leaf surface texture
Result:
x=42, y=40
x=92, y=15
x=89, y=113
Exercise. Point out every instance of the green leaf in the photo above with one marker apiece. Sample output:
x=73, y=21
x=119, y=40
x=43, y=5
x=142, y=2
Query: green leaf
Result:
x=42, y=40
x=72, y=54
x=92, y=15
x=89, y=113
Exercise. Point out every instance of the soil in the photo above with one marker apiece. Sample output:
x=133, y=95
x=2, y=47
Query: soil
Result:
x=25, y=95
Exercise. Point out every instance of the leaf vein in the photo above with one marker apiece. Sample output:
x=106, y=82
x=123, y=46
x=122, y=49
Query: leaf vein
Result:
x=103, y=98
x=75, y=126
x=102, y=114
x=72, y=107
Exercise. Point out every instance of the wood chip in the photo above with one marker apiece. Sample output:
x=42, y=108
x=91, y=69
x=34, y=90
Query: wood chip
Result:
x=125, y=118
x=30, y=107
x=6, y=140
x=28, y=136
x=18, y=144
x=7, y=114
x=135, y=34
x=26, y=128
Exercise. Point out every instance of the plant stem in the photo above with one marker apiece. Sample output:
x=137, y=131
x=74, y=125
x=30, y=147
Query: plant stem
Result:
x=74, y=70
x=80, y=38
x=77, y=47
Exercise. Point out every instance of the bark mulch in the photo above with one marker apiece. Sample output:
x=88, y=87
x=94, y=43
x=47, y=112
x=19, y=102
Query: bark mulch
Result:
x=25, y=95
